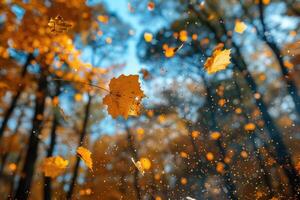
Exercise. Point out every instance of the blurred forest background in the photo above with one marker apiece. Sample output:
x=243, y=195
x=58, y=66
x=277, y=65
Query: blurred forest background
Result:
x=233, y=134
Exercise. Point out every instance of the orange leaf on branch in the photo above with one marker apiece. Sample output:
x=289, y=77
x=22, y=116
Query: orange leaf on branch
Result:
x=124, y=97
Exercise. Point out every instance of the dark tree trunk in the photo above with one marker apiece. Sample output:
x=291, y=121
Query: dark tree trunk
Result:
x=47, y=180
x=12, y=181
x=227, y=177
x=291, y=86
x=24, y=184
x=15, y=98
x=130, y=140
x=82, y=136
x=266, y=173
x=283, y=156
x=200, y=172
x=6, y=154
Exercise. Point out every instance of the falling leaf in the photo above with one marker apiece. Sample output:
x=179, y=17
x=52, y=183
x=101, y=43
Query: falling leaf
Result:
x=12, y=167
x=194, y=36
x=209, y=156
x=250, y=126
x=148, y=37
x=146, y=74
x=125, y=96
x=244, y=154
x=171, y=51
x=54, y=166
x=139, y=166
x=151, y=5
x=218, y=61
x=85, y=192
x=215, y=135
x=183, y=36
x=146, y=163
x=183, y=181
x=195, y=134
x=103, y=19
x=220, y=167
x=58, y=25
x=183, y=154
x=85, y=155
x=240, y=26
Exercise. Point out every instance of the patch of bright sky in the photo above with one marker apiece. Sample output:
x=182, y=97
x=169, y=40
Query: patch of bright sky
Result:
x=120, y=8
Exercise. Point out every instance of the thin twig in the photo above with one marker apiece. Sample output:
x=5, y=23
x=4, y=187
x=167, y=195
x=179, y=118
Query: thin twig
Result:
x=57, y=79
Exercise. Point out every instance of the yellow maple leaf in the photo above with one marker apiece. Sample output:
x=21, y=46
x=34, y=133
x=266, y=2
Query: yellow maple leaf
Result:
x=218, y=61
x=54, y=166
x=85, y=155
x=125, y=96
x=240, y=26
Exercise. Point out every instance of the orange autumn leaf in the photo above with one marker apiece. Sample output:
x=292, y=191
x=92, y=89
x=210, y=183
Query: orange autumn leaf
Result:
x=146, y=163
x=54, y=166
x=12, y=167
x=220, y=167
x=103, y=18
x=215, y=135
x=183, y=35
x=58, y=25
x=151, y=5
x=218, y=61
x=250, y=126
x=209, y=156
x=195, y=134
x=148, y=37
x=171, y=51
x=240, y=26
x=124, y=97
x=183, y=181
x=85, y=155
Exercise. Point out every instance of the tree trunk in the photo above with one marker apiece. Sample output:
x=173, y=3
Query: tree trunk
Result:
x=291, y=86
x=133, y=152
x=12, y=181
x=15, y=98
x=47, y=180
x=24, y=184
x=6, y=154
x=227, y=177
x=283, y=157
x=266, y=173
x=82, y=136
